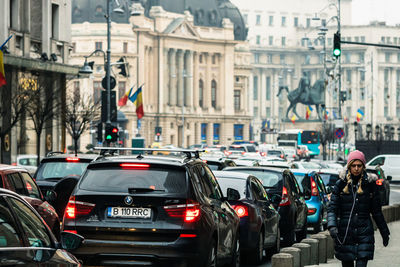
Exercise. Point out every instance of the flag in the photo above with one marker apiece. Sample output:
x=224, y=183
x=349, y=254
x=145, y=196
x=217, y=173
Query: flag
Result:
x=325, y=113
x=309, y=109
x=294, y=118
x=122, y=100
x=2, y=73
x=137, y=99
x=334, y=115
x=360, y=114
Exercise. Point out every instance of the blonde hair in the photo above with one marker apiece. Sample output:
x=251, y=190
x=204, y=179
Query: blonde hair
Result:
x=349, y=180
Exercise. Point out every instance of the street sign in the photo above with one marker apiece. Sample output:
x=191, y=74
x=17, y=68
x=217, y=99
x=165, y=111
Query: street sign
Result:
x=339, y=133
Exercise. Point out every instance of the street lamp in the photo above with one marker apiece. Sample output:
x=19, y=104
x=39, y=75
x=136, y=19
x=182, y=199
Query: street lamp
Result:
x=355, y=130
x=368, y=129
x=377, y=132
x=391, y=133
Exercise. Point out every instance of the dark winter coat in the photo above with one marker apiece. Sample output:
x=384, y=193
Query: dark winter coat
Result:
x=359, y=242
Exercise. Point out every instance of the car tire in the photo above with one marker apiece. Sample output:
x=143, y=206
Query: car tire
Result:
x=212, y=255
x=258, y=253
x=235, y=262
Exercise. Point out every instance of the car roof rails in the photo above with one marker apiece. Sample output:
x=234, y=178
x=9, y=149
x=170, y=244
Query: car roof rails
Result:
x=52, y=153
x=110, y=151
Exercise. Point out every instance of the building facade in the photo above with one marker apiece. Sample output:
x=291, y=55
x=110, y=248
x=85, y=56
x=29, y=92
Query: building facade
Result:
x=194, y=69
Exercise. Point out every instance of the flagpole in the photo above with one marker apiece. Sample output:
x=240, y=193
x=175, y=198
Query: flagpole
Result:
x=6, y=41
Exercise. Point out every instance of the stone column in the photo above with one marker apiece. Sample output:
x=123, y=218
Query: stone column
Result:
x=195, y=82
x=172, y=77
x=166, y=82
x=210, y=133
x=207, y=82
x=180, y=70
x=189, y=79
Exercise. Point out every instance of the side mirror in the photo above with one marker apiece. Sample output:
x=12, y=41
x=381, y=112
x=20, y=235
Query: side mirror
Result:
x=51, y=196
x=71, y=241
x=232, y=194
x=389, y=178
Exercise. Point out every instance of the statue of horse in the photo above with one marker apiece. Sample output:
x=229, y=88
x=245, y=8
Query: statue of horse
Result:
x=304, y=94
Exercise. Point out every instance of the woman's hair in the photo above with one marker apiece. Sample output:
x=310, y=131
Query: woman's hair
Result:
x=349, y=180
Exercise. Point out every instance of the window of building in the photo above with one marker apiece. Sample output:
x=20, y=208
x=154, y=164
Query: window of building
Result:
x=321, y=58
x=398, y=94
x=362, y=76
x=361, y=57
x=348, y=76
x=99, y=45
x=121, y=89
x=283, y=21
x=347, y=57
x=256, y=58
x=307, y=59
x=201, y=93
x=395, y=40
x=258, y=19
x=271, y=40
x=296, y=21
x=282, y=59
x=271, y=21
x=308, y=23
x=55, y=18
x=362, y=93
x=245, y=18
x=356, y=39
x=255, y=87
x=330, y=41
x=323, y=22
x=382, y=39
x=73, y=47
x=97, y=88
x=283, y=41
x=386, y=95
x=268, y=88
x=125, y=47
x=388, y=40
x=201, y=58
x=398, y=111
x=387, y=57
x=236, y=100
x=213, y=59
x=386, y=111
x=349, y=93
x=213, y=93
x=362, y=38
x=269, y=58
x=268, y=112
x=258, y=39
x=255, y=111
x=398, y=57
x=386, y=76
x=14, y=14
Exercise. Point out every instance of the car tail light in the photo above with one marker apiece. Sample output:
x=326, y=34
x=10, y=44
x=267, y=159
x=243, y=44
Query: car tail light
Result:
x=14, y=164
x=71, y=231
x=72, y=159
x=314, y=189
x=263, y=154
x=190, y=211
x=134, y=166
x=285, y=198
x=188, y=235
x=243, y=153
x=241, y=210
x=379, y=182
x=227, y=153
x=75, y=209
x=281, y=156
x=311, y=211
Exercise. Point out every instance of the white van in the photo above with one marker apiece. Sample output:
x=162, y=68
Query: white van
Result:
x=390, y=164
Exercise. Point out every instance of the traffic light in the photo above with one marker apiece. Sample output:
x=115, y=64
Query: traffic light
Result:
x=121, y=65
x=336, y=45
x=111, y=133
x=158, y=130
x=100, y=132
x=114, y=133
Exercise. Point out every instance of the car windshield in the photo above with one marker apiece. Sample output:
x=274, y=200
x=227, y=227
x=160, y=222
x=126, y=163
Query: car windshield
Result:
x=238, y=184
x=268, y=179
x=157, y=180
x=28, y=161
x=310, y=165
x=59, y=169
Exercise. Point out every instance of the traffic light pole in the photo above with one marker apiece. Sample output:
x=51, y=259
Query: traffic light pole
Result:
x=108, y=65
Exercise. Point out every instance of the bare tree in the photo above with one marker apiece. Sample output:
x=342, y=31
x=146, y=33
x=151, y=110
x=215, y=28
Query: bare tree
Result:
x=80, y=112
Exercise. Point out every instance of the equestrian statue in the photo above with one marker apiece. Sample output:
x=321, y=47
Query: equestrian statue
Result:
x=304, y=94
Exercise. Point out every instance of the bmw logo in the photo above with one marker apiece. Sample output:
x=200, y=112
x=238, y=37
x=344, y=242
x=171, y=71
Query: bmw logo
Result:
x=128, y=200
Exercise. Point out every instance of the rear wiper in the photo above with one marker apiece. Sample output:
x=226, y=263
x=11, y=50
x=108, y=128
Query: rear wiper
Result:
x=53, y=179
x=143, y=190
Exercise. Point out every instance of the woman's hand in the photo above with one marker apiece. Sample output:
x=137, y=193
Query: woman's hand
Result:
x=333, y=231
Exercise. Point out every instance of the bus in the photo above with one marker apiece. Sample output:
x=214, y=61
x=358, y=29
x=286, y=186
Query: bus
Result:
x=302, y=137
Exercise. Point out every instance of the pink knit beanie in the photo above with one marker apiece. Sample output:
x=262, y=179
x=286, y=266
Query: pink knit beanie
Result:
x=356, y=154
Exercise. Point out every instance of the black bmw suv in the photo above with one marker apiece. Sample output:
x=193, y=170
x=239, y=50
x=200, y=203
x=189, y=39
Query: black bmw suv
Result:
x=159, y=211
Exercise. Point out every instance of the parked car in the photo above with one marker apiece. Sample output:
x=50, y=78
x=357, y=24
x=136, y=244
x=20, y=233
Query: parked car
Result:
x=20, y=181
x=29, y=162
x=390, y=164
x=259, y=220
x=26, y=240
x=329, y=177
x=152, y=210
x=236, y=151
x=305, y=165
x=218, y=163
x=292, y=208
x=316, y=196
x=382, y=182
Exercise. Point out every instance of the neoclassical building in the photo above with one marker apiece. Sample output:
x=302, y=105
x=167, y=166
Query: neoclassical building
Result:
x=191, y=61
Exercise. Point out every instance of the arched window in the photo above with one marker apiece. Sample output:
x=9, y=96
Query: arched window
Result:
x=213, y=93
x=201, y=92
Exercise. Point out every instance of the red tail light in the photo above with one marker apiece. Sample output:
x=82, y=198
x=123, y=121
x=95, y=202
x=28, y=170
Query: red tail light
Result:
x=314, y=189
x=263, y=154
x=241, y=210
x=74, y=159
x=134, y=166
x=285, y=198
x=227, y=153
x=379, y=182
x=189, y=211
x=282, y=156
x=188, y=235
x=14, y=164
x=75, y=209
x=243, y=153
x=311, y=211
x=71, y=231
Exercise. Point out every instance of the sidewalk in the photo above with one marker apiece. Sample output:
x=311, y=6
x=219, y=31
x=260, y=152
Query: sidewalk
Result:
x=384, y=256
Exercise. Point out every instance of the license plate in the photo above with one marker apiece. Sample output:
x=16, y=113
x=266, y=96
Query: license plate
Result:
x=129, y=212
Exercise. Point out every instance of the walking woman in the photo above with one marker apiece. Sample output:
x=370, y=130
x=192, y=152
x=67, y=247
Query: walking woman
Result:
x=354, y=197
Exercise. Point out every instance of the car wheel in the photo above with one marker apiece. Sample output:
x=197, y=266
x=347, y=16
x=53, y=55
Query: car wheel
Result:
x=258, y=252
x=212, y=255
x=235, y=262
x=318, y=226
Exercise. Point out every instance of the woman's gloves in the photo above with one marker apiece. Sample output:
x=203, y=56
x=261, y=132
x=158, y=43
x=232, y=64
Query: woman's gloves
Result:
x=385, y=240
x=333, y=231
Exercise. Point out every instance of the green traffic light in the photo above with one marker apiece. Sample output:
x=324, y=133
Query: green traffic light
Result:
x=337, y=52
x=108, y=137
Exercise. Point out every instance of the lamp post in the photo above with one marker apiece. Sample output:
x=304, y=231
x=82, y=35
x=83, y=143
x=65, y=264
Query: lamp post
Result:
x=368, y=129
x=355, y=131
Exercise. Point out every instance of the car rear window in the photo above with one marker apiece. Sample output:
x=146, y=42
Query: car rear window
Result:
x=56, y=169
x=274, y=152
x=329, y=179
x=238, y=184
x=156, y=180
x=236, y=148
x=300, y=178
x=268, y=179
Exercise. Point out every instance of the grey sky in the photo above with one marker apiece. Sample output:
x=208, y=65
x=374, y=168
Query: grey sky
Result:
x=365, y=11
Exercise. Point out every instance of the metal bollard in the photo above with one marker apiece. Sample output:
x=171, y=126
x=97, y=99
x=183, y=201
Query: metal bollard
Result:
x=295, y=252
x=330, y=245
x=385, y=211
x=282, y=260
x=396, y=211
x=314, y=258
x=322, y=258
x=305, y=253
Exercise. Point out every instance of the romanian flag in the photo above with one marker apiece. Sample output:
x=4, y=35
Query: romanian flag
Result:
x=294, y=118
x=137, y=99
x=122, y=100
x=309, y=109
x=360, y=115
x=326, y=114
x=2, y=73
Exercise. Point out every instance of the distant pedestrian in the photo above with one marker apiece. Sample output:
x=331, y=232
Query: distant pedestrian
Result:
x=354, y=197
